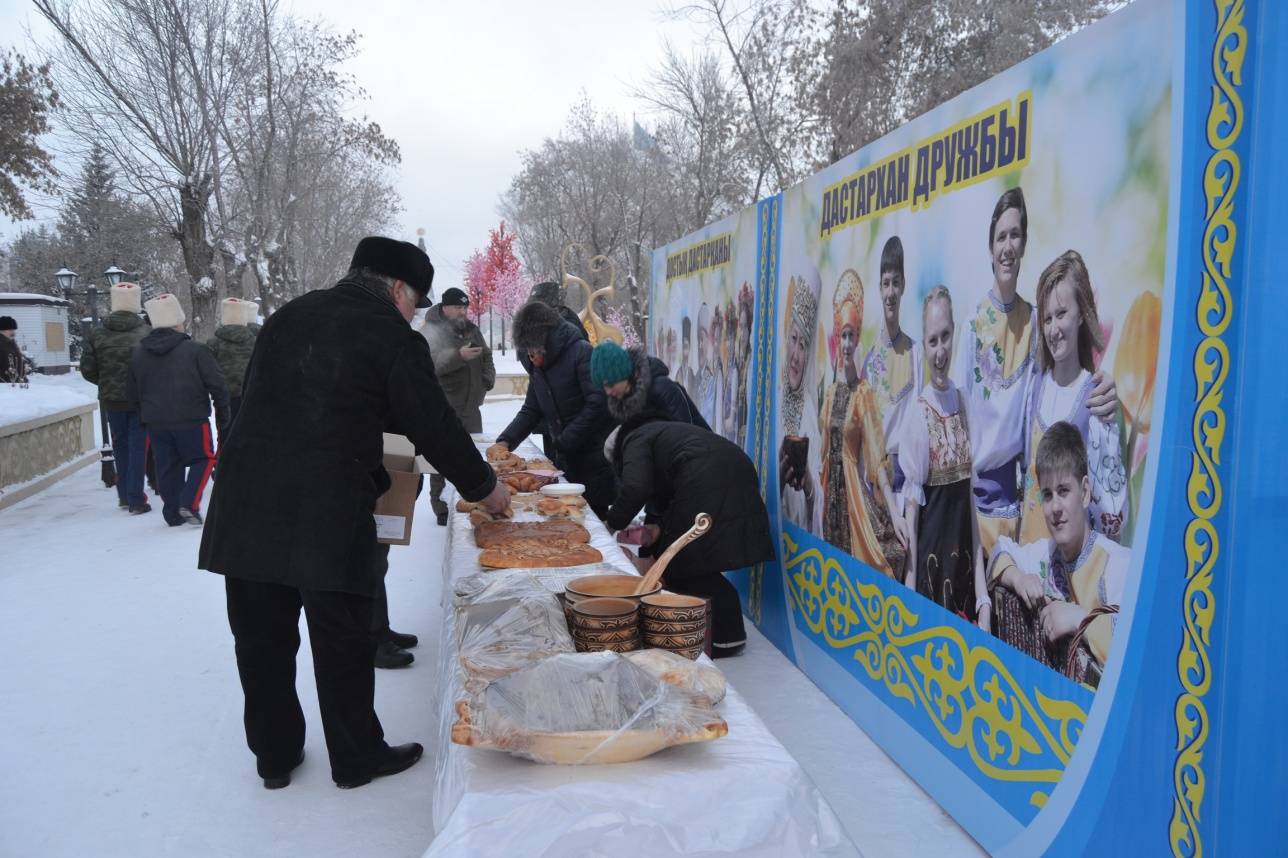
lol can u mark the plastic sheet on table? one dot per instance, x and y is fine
(528, 631)
(697, 678)
(584, 709)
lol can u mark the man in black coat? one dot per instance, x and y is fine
(550, 293)
(561, 395)
(171, 383)
(13, 363)
(291, 520)
(682, 470)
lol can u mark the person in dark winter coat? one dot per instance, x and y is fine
(465, 370)
(13, 363)
(635, 383)
(232, 344)
(291, 520)
(682, 470)
(560, 393)
(105, 361)
(171, 383)
(550, 293)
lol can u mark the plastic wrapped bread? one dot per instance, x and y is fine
(531, 629)
(582, 709)
(704, 681)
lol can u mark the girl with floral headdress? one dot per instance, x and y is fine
(798, 451)
(857, 498)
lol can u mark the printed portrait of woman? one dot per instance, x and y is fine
(997, 368)
(742, 353)
(857, 497)
(798, 452)
(729, 383)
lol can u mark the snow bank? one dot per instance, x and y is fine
(42, 398)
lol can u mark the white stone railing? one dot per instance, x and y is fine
(38, 452)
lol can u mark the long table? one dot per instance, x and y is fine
(743, 794)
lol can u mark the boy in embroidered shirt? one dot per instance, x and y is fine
(893, 367)
(1075, 578)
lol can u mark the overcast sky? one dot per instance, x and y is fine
(463, 86)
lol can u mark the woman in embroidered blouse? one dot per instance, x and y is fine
(857, 498)
(1071, 338)
(997, 369)
(946, 560)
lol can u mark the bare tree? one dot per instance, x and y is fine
(152, 100)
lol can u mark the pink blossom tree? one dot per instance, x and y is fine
(510, 290)
(478, 285)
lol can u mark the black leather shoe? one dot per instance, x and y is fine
(140, 508)
(283, 780)
(389, 655)
(727, 651)
(401, 640)
(442, 519)
(397, 759)
(190, 516)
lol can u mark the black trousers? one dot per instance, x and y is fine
(265, 621)
(380, 599)
(727, 630)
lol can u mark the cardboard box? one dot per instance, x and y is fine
(395, 508)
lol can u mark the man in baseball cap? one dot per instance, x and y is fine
(291, 522)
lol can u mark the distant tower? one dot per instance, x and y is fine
(420, 242)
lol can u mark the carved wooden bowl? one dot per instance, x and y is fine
(617, 586)
(605, 614)
(673, 608)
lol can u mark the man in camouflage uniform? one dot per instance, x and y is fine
(105, 361)
(232, 344)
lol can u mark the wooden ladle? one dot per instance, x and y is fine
(701, 525)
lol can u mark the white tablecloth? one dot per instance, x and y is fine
(740, 795)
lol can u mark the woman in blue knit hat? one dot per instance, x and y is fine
(636, 383)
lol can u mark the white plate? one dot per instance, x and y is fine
(563, 490)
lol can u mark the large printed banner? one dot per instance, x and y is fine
(972, 363)
(703, 318)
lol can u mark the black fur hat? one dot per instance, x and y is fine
(549, 293)
(400, 260)
(533, 323)
(8, 323)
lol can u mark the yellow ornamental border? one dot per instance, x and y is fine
(961, 687)
(1211, 366)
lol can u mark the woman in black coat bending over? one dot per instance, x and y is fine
(557, 359)
(682, 470)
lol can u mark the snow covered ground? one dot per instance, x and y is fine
(121, 708)
(46, 394)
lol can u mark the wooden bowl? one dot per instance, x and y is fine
(628, 646)
(676, 642)
(618, 586)
(653, 627)
(606, 636)
(674, 607)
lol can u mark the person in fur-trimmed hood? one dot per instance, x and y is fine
(635, 383)
(561, 395)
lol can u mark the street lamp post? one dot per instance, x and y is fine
(66, 280)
